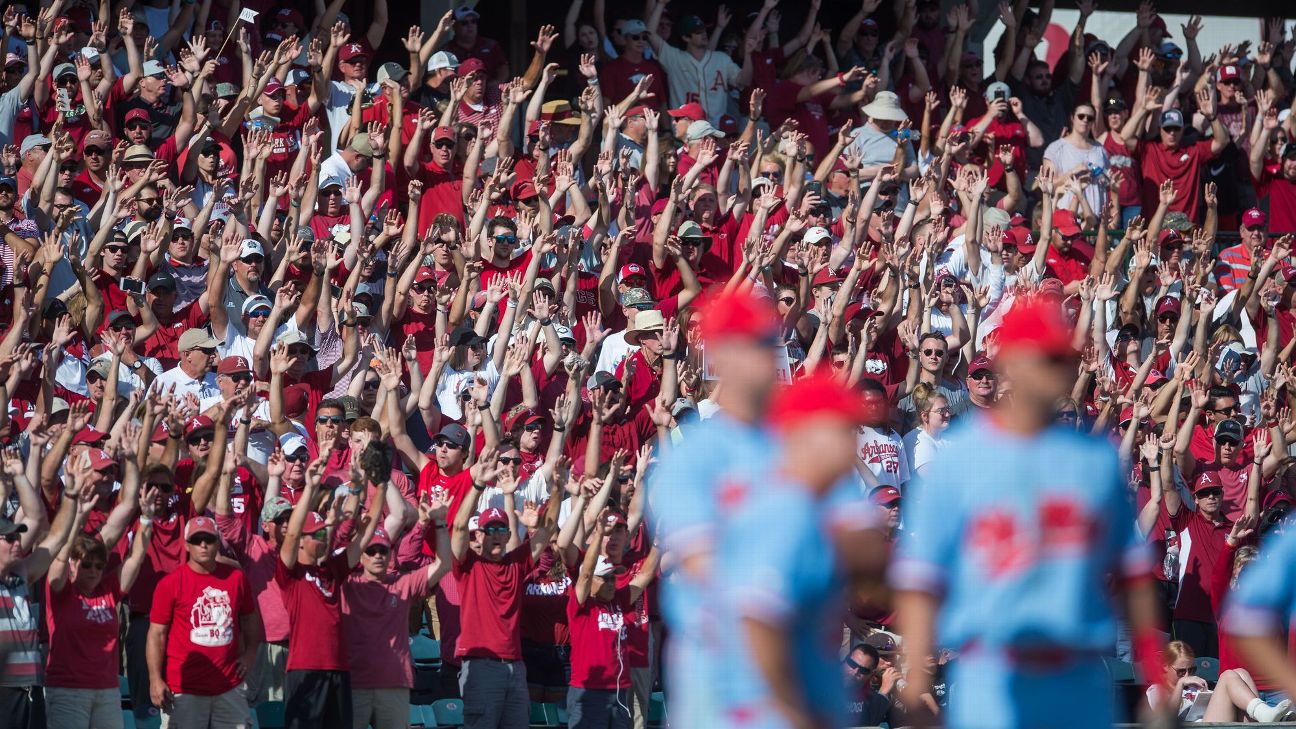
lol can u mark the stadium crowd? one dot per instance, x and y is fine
(821, 378)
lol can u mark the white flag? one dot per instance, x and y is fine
(248, 15)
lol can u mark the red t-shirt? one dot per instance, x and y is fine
(166, 552)
(421, 326)
(811, 115)
(312, 595)
(1069, 266)
(202, 612)
(442, 193)
(597, 630)
(1120, 158)
(1183, 165)
(455, 488)
(376, 616)
(1281, 194)
(83, 633)
(1201, 543)
(491, 595)
(619, 77)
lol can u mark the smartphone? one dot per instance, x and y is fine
(1001, 95)
(64, 100)
(132, 286)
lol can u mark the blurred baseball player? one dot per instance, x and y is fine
(1008, 549)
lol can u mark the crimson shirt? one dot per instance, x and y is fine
(312, 594)
(1202, 547)
(1281, 194)
(491, 595)
(202, 611)
(1183, 165)
(83, 633)
(596, 629)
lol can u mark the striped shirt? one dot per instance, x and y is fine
(20, 656)
(1233, 267)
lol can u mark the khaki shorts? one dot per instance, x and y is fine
(384, 708)
(69, 708)
(225, 711)
(265, 682)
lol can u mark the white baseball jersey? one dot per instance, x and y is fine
(706, 81)
(883, 453)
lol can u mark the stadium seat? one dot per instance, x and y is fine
(270, 715)
(1120, 671)
(125, 693)
(1208, 668)
(416, 718)
(129, 720)
(425, 650)
(656, 709)
(544, 715)
(447, 712)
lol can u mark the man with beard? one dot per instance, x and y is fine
(236, 279)
(864, 706)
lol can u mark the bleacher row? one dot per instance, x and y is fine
(425, 651)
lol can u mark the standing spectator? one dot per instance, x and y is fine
(1235, 261)
(618, 77)
(194, 374)
(1168, 157)
(1076, 155)
(696, 73)
(922, 444)
(1275, 183)
(317, 686)
(491, 583)
(881, 453)
(203, 636)
(468, 43)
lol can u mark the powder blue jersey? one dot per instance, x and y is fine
(786, 577)
(1020, 535)
(1266, 592)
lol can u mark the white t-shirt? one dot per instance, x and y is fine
(706, 81)
(184, 384)
(452, 381)
(337, 106)
(921, 448)
(883, 453)
(615, 349)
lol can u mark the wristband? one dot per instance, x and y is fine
(440, 524)
(592, 81)
(245, 421)
(546, 322)
(393, 274)
(478, 487)
(173, 435)
(145, 521)
(1150, 469)
(556, 429)
(841, 78)
(676, 356)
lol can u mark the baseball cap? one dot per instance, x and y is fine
(980, 364)
(153, 68)
(255, 302)
(275, 507)
(293, 337)
(351, 51)
(465, 12)
(392, 71)
(700, 130)
(1207, 480)
(251, 246)
(197, 423)
(1035, 325)
(63, 69)
(1066, 224)
(296, 77)
(682, 405)
(13, 59)
(425, 273)
(604, 568)
(883, 642)
(692, 111)
(91, 434)
(1229, 430)
(441, 133)
(469, 66)
(815, 397)
(350, 407)
(455, 434)
(1052, 287)
(1167, 305)
(100, 367)
(884, 495)
(637, 298)
(331, 181)
(443, 60)
(200, 525)
(290, 443)
(361, 146)
(602, 378)
(565, 333)
(491, 517)
(996, 88)
(1254, 217)
(121, 315)
(225, 90)
(523, 190)
(100, 460)
(162, 280)
(634, 26)
(381, 538)
(816, 234)
(314, 523)
(289, 15)
(465, 336)
(32, 141)
(233, 366)
(273, 87)
(196, 339)
(1172, 118)
(1231, 72)
(628, 270)
(1167, 49)
(827, 276)
(738, 316)
(8, 527)
(689, 25)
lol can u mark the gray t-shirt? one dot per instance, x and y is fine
(1065, 157)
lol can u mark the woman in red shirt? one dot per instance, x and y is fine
(82, 593)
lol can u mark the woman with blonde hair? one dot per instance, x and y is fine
(924, 442)
(1233, 698)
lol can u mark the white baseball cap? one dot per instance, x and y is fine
(250, 246)
(441, 60)
(816, 234)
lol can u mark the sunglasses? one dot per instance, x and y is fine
(253, 259)
(496, 530)
(300, 351)
(95, 151)
(444, 144)
(946, 411)
(1230, 410)
(637, 37)
(241, 377)
(1209, 494)
(209, 152)
(115, 249)
(93, 565)
(122, 327)
(787, 301)
(148, 200)
(182, 235)
(202, 539)
(443, 443)
(297, 458)
(1189, 671)
(425, 288)
(11, 538)
(161, 486)
(982, 375)
(533, 428)
(377, 551)
(332, 419)
(320, 534)
(933, 353)
(331, 192)
(506, 461)
(506, 239)
(1068, 415)
(197, 438)
(258, 313)
(371, 384)
(1085, 117)
(856, 667)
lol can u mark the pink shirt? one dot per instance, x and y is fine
(258, 558)
(375, 622)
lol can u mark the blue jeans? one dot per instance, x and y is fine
(1272, 696)
(598, 708)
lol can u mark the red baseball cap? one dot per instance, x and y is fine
(469, 66)
(90, 434)
(295, 398)
(425, 273)
(200, 525)
(979, 364)
(137, 113)
(523, 417)
(352, 50)
(1020, 238)
(491, 516)
(314, 522)
(737, 316)
(1207, 480)
(380, 538)
(1169, 236)
(1065, 223)
(728, 125)
(816, 396)
(441, 133)
(630, 269)
(1253, 217)
(233, 366)
(100, 460)
(636, 111)
(1230, 72)
(523, 190)
(827, 275)
(288, 15)
(692, 111)
(1052, 287)
(272, 87)
(884, 495)
(1035, 325)
(197, 423)
(1167, 304)
(858, 309)
(616, 519)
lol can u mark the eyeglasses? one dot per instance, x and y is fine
(203, 437)
(982, 375)
(70, 169)
(202, 539)
(11, 538)
(506, 461)
(444, 144)
(1168, 318)
(1228, 410)
(496, 530)
(1189, 671)
(443, 443)
(847, 662)
(297, 457)
(1211, 493)
(161, 485)
(331, 419)
(320, 534)
(946, 411)
(205, 351)
(506, 239)
(182, 235)
(1085, 117)
(933, 353)
(1068, 415)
